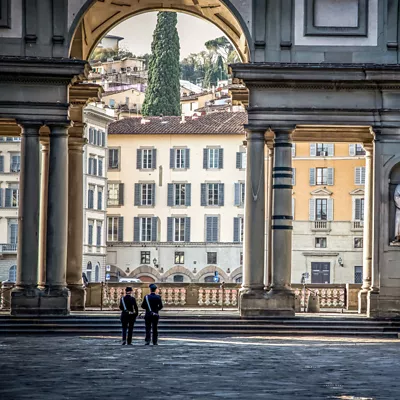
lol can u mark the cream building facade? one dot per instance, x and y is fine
(97, 119)
(158, 217)
(10, 163)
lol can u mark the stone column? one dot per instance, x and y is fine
(281, 296)
(268, 275)
(56, 298)
(252, 295)
(75, 223)
(25, 297)
(44, 185)
(367, 237)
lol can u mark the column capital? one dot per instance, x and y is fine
(76, 143)
(255, 128)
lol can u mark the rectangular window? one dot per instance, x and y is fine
(211, 257)
(90, 233)
(213, 158)
(180, 194)
(179, 257)
(320, 243)
(321, 209)
(360, 150)
(13, 231)
(322, 176)
(147, 158)
(359, 210)
(144, 257)
(113, 158)
(100, 169)
(358, 243)
(15, 163)
(112, 235)
(242, 193)
(180, 158)
(100, 199)
(241, 258)
(241, 229)
(113, 194)
(98, 237)
(91, 198)
(322, 149)
(12, 196)
(359, 176)
(244, 160)
(358, 274)
(212, 228)
(147, 194)
(179, 229)
(212, 194)
(145, 229)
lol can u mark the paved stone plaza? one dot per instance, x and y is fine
(52, 368)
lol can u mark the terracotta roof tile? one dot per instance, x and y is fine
(215, 123)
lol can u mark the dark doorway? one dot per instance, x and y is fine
(320, 272)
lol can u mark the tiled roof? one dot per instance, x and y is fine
(215, 123)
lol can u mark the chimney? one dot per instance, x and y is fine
(183, 120)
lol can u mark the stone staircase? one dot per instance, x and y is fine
(194, 325)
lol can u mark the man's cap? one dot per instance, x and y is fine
(153, 286)
(128, 289)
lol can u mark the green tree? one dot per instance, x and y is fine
(163, 91)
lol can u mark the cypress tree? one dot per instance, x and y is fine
(163, 90)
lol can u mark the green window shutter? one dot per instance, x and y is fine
(170, 200)
(187, 229)
(138, 195)
(236, 228)
(170, 229)
(136, 229)
(188, 196)
(120, 229)
(203, 200)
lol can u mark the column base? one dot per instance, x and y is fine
(383, 306)
(25, 301)
(78, 297)
(257, 303)
(363, 301)
(35, 302)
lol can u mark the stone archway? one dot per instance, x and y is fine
(236, 273)
(210, 270)
(146, 270)
(179, 270)
(94, 19)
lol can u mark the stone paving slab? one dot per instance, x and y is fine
(55, 368)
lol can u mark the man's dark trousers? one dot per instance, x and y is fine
(151, 324)
(127, 325)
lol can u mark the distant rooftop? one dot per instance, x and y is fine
(227, 123)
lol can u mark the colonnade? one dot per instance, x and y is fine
(266, 289)
(50, 233)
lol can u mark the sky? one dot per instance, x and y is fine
(138, 33)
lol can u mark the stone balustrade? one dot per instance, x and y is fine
(207, 295)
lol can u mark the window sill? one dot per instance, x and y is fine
(179, 169)
(141, 206)
(181, 207)
(212, 206)
(113, 205)
(113, 169)
(213, 169)
(147, 169)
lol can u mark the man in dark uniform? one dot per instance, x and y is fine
(152, 303)
(129, 313)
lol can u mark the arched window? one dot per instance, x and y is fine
(178, 278)
(209, 279)
(238, 279)
(97, 273)
(12, 273)
(89, 271)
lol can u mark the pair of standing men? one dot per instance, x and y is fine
(152, 303)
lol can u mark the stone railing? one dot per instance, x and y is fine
(107, 296)
(207, 295)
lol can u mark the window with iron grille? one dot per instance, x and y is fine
(358, 243)
(320, 243)
(179, 257)
(144, 257)
(211, 257)
(358, 274)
